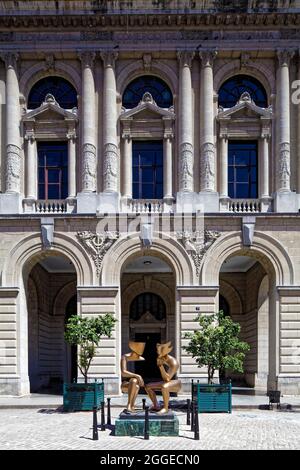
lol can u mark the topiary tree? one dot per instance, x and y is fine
(216, 344)
(86, 333)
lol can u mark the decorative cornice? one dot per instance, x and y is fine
(97, 245)
(197, 243)
(159, 19)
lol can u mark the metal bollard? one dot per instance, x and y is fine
(108, 412)
(192, 389)
(146, 427)
(192, 415)
(188, 413)
(144, 403)
(95, 424)
(102, 417)
(196, 423)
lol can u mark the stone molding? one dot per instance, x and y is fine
(197, 243)
(97, 245)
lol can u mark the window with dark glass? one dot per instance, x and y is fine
(147, 170)
(231, 91)
(52, 170)
(148, 302)
(63, 91)
(242, 169)
(159, 90)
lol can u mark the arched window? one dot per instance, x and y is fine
(159, 90)
(64, 93)
(231, 91)
(148, 302)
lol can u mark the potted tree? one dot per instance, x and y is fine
(85, 333)
(217, 346)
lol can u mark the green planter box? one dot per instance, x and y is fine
(213, 398)
(83, 397)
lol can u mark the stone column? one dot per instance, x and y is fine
(127, 166)
(186, 146)
(285, 200)
(264, 186)
(167, 171)
(13, 151)
(224, 167)
(207, 161)
(284, 168)
(89, 159)
(31, 168)
(71, 136)
(110, 151)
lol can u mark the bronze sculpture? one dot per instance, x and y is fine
(167, 385)
(135, 381)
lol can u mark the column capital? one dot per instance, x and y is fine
(71, 136)
(207, 57)
(185, 58)
(284, 56)
(10, 58)
(30, 137)
(109, 58)
(87, 58)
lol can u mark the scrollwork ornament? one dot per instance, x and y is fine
(111, 165)
(89, 168)
(197, 244)
(97, 245)
(284, 166)
(13, 168)
(208, 166)
(186, 166)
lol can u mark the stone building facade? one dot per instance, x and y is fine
(150, 167)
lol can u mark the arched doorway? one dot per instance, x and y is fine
(244, 295)
(50, 289)
(148, 309)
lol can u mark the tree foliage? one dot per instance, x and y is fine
(86, 333)
(216, 344)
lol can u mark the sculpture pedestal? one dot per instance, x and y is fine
(132, 424)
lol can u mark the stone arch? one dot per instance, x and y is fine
(62, 298)
(38, 71)
(168, 249)
(136, 69)
(232, 296)
(29, 250)
(272, 255)
(255, 69)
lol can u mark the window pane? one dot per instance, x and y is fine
(242, 172)
(148, 175)
(53, 170)
(62, 90)
(53, 176)
(41, 191)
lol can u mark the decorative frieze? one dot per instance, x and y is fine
(97, 245)
(89, 168)
(197, 244)
(111, 164)
(13, 168)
